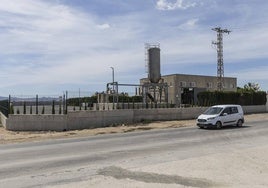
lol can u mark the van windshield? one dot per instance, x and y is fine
(213, 111)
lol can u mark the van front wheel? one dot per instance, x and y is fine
(218, 125)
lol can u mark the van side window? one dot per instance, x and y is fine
(227, 110)
(234, 110)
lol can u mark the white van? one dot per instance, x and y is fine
(220, 115)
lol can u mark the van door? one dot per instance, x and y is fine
(228, 117)
(231, 117)
(234, 115)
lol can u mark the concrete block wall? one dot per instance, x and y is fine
(166, 114)
(267, 103)
(93, 119)
(36, 122)
(254, 109)
(96, 119)
(3, 119)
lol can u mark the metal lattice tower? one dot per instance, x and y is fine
(220, 67)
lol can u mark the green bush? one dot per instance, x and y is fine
(244, 98)
(77, 101)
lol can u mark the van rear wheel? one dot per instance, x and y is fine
(218, 125)
(239, 123)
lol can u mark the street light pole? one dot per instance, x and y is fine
(113, 84)
(112, 73)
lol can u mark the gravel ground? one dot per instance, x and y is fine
(17, 137)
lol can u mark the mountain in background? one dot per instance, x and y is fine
(14, 99)
(3, 98)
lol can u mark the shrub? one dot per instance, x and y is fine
(245, 98)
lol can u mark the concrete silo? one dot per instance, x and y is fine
(154, 74)
(154, 89)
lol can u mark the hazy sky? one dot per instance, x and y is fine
(49, 46)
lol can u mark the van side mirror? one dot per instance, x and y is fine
(224, 114)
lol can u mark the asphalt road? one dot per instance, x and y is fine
(64, 161)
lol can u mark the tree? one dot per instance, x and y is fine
(252, 87)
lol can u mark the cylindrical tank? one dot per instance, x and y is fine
(154, 64)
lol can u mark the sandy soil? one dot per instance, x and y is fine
(238, 169)
(17, 137)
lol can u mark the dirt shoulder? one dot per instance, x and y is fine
(17, 137)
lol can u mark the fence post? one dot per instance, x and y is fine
(43, 109)
(9, 105)
(63, 103)
(36, 105)
(66, 102)
(53, 107)
(133, 104)
(60, 107)
(24, 107)
(79, 101)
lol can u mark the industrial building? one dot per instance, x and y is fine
(183, 88)
(177, 88)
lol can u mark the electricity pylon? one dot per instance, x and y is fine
(220, 67)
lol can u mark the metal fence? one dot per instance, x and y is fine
(80, 100)
(38, 104)
(70, 101)
(4, 104)
(48, 104)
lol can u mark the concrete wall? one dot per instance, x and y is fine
(95, 119)
(92, 119)
(254, 109)
(36, 122)
(3, 119)
(267, 102)
(166, 114)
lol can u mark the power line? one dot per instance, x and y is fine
(220, 66)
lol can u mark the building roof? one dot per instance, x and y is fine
(193, 75)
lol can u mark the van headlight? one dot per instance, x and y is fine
(211, 118)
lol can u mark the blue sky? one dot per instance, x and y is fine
(49, 46)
